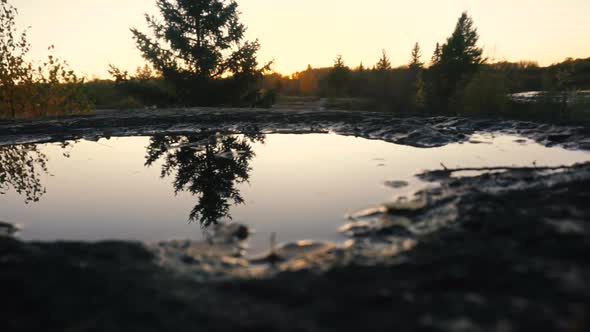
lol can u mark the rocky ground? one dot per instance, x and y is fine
(504, 250)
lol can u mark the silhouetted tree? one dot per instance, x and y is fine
(460, 58)
(382, 81)
(198, 42)
(460, 53)
(118, 75)
(144, 73)
(141, 89)
(208, 166)
(415, 61)
(339, 62)
(383, 64)
(419, 92)
(436, 56)
(337, 81)
(415, 85)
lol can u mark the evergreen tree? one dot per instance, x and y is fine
(454, 64)
(339, 62)
(460, 54)
(338, 79)
(416, 85)
(383, 64)
(415, 62)
(197, 42)
(382, 82)
(436, 56)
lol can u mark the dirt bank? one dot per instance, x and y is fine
(500, 251)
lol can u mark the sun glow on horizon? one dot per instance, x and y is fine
(92, 34)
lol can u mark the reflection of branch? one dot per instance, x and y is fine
(20, 168)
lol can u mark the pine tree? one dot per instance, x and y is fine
(338, 78)
(415, 62)
(416, 67)
(436, 56)
(461, 53)
(455, 63)
(199, 41)
(339, 62)
(383, 64)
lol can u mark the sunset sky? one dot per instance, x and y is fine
(90, 34)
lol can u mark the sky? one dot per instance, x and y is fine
(90, 34)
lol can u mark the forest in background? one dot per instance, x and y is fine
(197, 59)
(562, 89)
(456, 80)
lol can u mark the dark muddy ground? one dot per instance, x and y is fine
(407, 130)
(501, 251)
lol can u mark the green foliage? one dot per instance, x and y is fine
(454, 63)
(50, 88)
(57, 90)
(461, 52)
(21, 168)
(486, 94)
(580, 108)
(418, 93)
(199, 42)
(337, 81)
(306, 83)
(416, 85)
(458, 81)
(14, 70)
(144, 88)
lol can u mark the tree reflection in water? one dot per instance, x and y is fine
(21, 167)
(208, 166)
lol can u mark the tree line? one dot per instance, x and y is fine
(456, 79)
(196, 55)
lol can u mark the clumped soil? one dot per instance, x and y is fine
(513, 258)
(418, 131)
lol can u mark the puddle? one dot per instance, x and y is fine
(300, 187)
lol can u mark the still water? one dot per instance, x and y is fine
(175, 187)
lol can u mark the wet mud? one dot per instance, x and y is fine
(407, 130)
(503, 249)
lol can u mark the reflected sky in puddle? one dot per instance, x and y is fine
(299, 186)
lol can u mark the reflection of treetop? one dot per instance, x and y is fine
(208, 166)
(20, 168)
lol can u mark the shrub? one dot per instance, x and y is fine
(486, 94)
